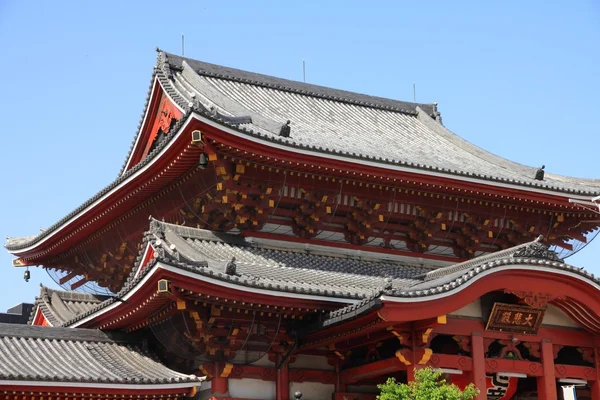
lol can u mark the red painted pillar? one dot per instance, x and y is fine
(546, 384)
(340, 384)
(283, 382)
(478, 354)
(219, 384)
(595, 385)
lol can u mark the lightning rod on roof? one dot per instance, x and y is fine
(414, 92)
(182, 46)
(303, 71)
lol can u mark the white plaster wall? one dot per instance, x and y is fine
(264, 362)
(312, 390)
(204, 392)
(311, 362)
(470, 310)
(556, 317)
(365, 389)
(252, 389)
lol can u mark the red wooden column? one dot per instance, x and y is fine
(283, 380)
(478, 355)
(340, 382)
(219, 383)
(595, 385)
(546, 384)
(410, 369)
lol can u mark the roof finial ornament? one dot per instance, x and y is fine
(540, 239)
(388, 283)
(285, 129)
(231, 268)
(539, 175)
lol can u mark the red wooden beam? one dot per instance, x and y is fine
(560, 336)
(270, 373)
(529, 368)
(352, 329)
(575, 371)
(451, 361)
(371, 370)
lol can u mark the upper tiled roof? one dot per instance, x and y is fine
(353, 125)
(330, 121)
(49, 354)
(59, 306)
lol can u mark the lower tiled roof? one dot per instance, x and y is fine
(59, 306)
(278, 269)
(50, 354)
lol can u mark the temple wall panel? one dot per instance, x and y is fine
(312, 390)
(252, 389)
(366, 389)
(311, 362)
(470, 310)
(556, 317)
(204, 393)
(264, 362)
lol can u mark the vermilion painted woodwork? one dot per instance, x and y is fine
(562, 336)
(374, 369)
(282, 385)
(270, 373)
(40, 319)
(171, 156)
(546, 383)
(595, 385)
(576, 290)
(479, 366)
(167, 112)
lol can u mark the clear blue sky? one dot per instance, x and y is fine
(519, 78)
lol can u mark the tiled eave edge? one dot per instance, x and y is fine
(99, 385)
(203, 273)
(163, 74)
(99, 196)
(379, 162)
(452, 286)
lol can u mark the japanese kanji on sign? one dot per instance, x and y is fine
(515, 319)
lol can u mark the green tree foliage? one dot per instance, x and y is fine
(428, 385)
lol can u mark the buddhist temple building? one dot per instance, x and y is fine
(267, 238)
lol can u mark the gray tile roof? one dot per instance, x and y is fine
(446, 279)
(49, 354)
(280, 269)
(336, 122)
(326, 120)
(59, 306)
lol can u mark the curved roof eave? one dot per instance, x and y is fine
(284, 144)
(447, 286)
(19, 246)
(185, 82)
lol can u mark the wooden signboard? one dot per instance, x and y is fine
(514, 318)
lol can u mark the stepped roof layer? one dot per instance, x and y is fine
(85, 356)
(361, 281)
(328, 273)
(341, 123)
(59, 306)
(326, 122)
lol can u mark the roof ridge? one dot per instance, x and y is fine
(308, 89)
(532, 249)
